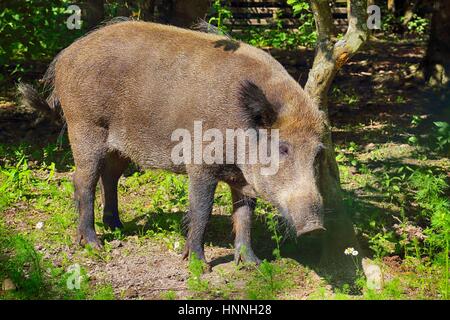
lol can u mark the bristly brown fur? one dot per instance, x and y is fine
(52, 106)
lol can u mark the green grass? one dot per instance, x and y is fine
(405, 212)
(195, 282)
(267, 281)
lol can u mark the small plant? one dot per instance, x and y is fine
(393, 290)
(443, 135)
(348, 154)
(219, 14)
(105, 292)
(416, 120)
(348, 97)
(417, 24)
(382, 245)
(169, 295)
(278, 36)
(272, 224)
(196, 268)
(172, 193)
(24, 265)
(400, 100)
(267, 281)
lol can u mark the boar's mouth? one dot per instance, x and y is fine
(312, 229)
(310, 224)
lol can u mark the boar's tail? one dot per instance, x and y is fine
(31, 98)
(51, 106)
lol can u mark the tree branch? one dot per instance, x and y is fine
(330, 58)
(357, 33)
(323, 19)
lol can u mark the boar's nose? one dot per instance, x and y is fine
(311, 229)
(310, 223)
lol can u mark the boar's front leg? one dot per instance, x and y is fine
(202, 186)
(243, 208)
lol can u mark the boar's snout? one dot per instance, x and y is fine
(308, 220)
(313, 229)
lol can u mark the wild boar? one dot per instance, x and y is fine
(124, 89)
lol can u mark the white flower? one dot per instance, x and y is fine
(349, 251)
(355, 253)
(176, 245)
(39, 225)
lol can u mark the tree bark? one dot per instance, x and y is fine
(329, 58)
(188, 12)
(94, 13)
(148, 10)
(122, 8)
(391, 5)
(436, 64)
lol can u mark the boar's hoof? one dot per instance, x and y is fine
(90, 238)
(112, 222)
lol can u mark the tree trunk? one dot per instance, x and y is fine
(188, 12)
(122, 8)
(391, 5)
(94, 13)
(407, 10)
(436, 64)
(330, 57)
(165, 9)
(147, 10)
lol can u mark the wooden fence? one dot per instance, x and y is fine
(264, 13)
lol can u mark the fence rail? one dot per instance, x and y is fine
(266, 13)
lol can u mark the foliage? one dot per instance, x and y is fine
(32, 30)
(306, 31)
(24, 265)
(172, 193)
(443, 135)
(267, 282)
(272, 224)
(219, 12)
(37, 278)
(278, 36)
(299, 6)
(420, 230)
(195, 282)
(417, 25)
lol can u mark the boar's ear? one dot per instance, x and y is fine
(256, 108)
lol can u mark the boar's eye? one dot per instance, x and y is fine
(285, 149)
(320, 153)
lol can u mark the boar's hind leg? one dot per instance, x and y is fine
(89, 156)
(111, 172)
(201, 197)
(242, 215)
